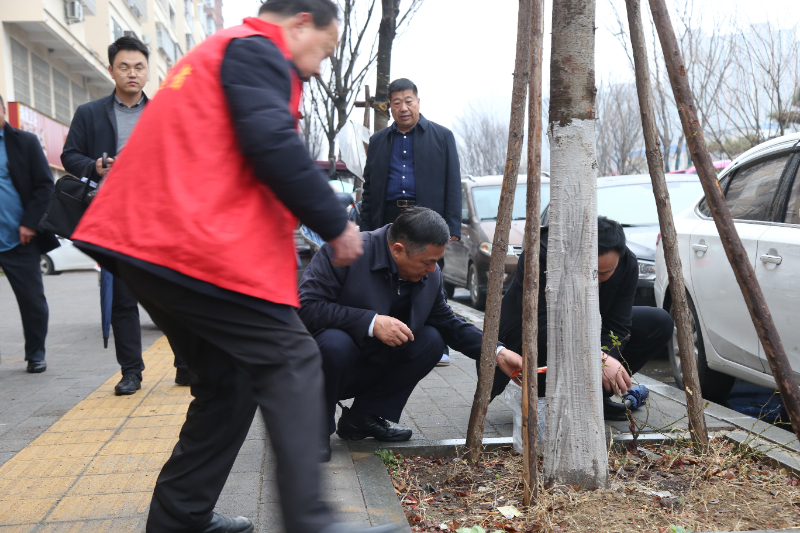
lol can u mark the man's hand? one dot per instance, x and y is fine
(347, 247)
(26, 235)
(99, 166)
(391, 331)
(615, 377)
(453, 238)
(510, 363)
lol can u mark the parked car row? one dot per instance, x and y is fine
(762, 191)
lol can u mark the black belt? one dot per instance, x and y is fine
(404, 202)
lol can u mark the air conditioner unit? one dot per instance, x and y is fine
(74, 10)
(128, 33)
(146, 38)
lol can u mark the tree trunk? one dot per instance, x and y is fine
(530, 291)
(575, 451)
(386, 34)
(669, 238)
(494, 294)
(737, 257)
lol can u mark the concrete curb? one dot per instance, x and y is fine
(380, 499)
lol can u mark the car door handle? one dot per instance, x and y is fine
(700, 247)
(771, 259)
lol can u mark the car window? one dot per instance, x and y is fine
(749, 194)
(486, 201)
(635, 204)
(464, 204)
(793, 208)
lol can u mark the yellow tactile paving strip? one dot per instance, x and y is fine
(94, 469)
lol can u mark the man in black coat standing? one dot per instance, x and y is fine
(382, 323)
(26, 186)
(103, 126)
(413, 162)
(630, 335)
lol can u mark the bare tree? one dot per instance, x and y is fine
(574, 396)
(619, 131)
(310, 131)
(482, 142)
(334, 93)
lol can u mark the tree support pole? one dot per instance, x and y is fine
(669, 237)
(737, 257)
(494, 294)
(530, 291)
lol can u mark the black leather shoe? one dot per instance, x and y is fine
(183, 377)
(36, 367)
(129, 384)
(613, 411)
(325, 453)
(357, 426)
(221, 524)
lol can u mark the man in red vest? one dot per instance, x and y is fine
(197, 217)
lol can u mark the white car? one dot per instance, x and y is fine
(762, 191)
(65, 257)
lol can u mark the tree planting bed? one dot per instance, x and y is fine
(652, 488)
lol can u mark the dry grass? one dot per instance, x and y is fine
(727, 488)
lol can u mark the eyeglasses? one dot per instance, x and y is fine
(138, 70)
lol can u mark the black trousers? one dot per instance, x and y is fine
(128, 331)
(21, 266)
(651, 329)
(243, 359)
(379, 378)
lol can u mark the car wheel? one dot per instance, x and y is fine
(477, 297)
(46, 265)
(449, 289)
(714, 385)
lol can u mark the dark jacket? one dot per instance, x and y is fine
(31, 176)
(92, 132)
(436, 169)
(616, 301)
(348, 298)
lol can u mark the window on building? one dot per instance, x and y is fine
(172, 18)
(21, 68)
(210, 28)
(209, 3)
(116, 30)
(189, 41)
(41, 85)
(61, 93)
(78, 96)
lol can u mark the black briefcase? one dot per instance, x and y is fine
(69, 202)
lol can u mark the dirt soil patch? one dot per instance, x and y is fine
(654, 488)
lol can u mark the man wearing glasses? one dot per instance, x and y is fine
(104, 126)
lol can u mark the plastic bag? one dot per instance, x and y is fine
(513, 397)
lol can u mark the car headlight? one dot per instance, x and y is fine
(647, 270)
(486, 248)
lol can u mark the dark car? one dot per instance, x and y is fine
(630, 201)
(466, 262)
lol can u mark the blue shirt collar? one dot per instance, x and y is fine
(422, 123)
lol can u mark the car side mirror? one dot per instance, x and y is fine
(466, 219)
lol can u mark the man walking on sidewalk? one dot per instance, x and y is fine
(413, 162)
(198, 218)
(26, 186)
(104, 126)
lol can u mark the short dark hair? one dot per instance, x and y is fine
(402, 84)
(128, 42)
(610, 236)
(417, 227)
(322, 11)
(2, 102)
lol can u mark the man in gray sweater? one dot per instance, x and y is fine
(104, 126)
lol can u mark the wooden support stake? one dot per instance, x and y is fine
(737, 257)
(669, 237)
(530, 290)
(494, 294)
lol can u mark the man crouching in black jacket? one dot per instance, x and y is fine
(639, 331)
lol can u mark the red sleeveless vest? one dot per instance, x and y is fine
(181, 195)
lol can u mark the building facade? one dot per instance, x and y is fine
(54, 55)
